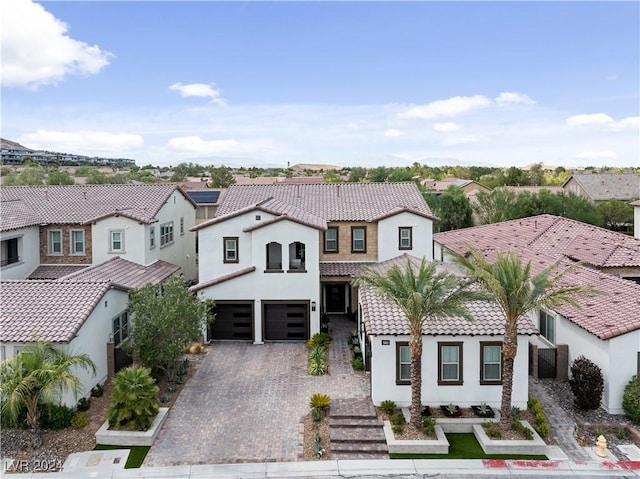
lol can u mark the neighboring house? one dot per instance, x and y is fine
(607, 328)
(533, 189)
(277, 256)
(636, 218)
(604, 186)
(605, 250)
(84, 312)
(469, 187)
(207, 201)
(461, 360)
(87, 225)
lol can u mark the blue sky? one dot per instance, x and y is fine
(346, 83)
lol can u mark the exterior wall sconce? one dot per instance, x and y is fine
(386, 342)
(313, 305)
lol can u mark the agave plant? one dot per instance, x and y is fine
(134, 400)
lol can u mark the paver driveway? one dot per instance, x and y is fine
(246, 402)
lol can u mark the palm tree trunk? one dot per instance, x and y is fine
(415, 349)
(509, 350)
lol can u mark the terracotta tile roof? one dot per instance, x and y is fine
(605, 186)
(15, 214)
(222, 279)
(49, 310)
(346, 268)
(124, 273)
(610, 314)
(275, 207)
(551, 235)
(331, 202)
(55, 271)
(382, 316)
(84, 204)
(636, 203)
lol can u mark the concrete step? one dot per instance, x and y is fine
(347, 447)
(356, 435)
(345, 456)
(352, 408)
(354, 422)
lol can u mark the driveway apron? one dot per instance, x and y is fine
(246, 402)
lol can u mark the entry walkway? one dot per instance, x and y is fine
(562, 424)
(246, 402)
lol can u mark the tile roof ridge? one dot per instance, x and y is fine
(556, 220)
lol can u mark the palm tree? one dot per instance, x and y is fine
(513, 286)
(423, 294)
(36, 376)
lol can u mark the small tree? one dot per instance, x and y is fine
(165, 319)
(631, 399)
(134, 401)
(36, 376)
(586, 384)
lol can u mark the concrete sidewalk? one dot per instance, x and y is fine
(398, 468)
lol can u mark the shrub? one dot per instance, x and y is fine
(316, 353)
(388, 407)
(398, 419)
(586, 384)
(543, 429)
(6, 422)
(320, 401)
(83, 404)
(316, 414)
(631, 399)
(429, 426)
(133, 399)
(79, 420)
(317, 367)
(493, 432)
(397, 428)
(97, 391)
(517, 426)
(357, 363)
(319, 339)
(56, 417)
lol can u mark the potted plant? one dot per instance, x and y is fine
(451, 410)
(483, 410)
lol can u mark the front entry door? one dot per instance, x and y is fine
(335, 298)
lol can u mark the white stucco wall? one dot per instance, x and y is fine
(134, 239)
(636, 221)
(91, 339)
(471, 392)
(28, 251)
(616, 357)
(259, 285)
(422, 235)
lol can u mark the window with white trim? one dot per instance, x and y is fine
(405, 237)
(230, 249)
(54, 241)
(331, 240)
(548, 326)
(358, 239)
(166, 233)
(116, 241)
(77, 242)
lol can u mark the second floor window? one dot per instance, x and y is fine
(10, 251)
(274, 256)
(166, 234)
(405, 237)
(77, 242)
(331, 240)
(55, 242)
(152, 237)
(358, 239)
(116, 241)
(230, 250)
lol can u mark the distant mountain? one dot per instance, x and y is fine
(12, 145)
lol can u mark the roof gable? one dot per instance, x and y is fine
(605, 186)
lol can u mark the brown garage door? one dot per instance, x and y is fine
(286, 321)
(233, 321)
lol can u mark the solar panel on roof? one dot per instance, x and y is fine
(204, 196)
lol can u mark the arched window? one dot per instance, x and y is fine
(296, 256)
(274, 256)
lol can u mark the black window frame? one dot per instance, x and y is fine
(225, 250)
(490, 382)
(399, 380)
(337, 240)
(450, 382)
(364, 239)
(410, 230)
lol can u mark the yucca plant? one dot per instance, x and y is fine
(317, 367)
(133, 399)
(316, 353)
(320, 401)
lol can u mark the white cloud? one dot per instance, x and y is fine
(454, 106)
(512, 98)
(597, 155)
(612, 77)
(36, 49)
(632, 122)
(201, 90)
(81, 141)
(460, 140)
(446, 127)
(196, 145)
(393, 133)
(589, 119)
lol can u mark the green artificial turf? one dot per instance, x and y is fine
(465, 446)
(136, 454)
